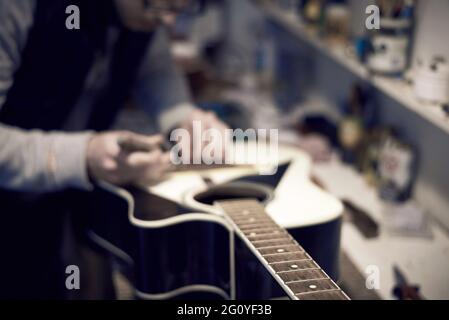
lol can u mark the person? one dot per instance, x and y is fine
(49, 73)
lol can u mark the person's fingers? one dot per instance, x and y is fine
(143, 159)
(103, 145)
(154, 172)
(164, 165)
(156, 161)
(143, 167)
(150, 140)
(156, 140)
(130, 142)
(165, 159)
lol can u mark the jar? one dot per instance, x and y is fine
(390, 46)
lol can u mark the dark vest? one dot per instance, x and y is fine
(54, 66)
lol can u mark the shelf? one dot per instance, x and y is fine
(396, 89)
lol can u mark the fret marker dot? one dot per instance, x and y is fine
(252, 220)
(245, 212)
(252, 234)
(280, 250)
(294, 266)
(312, 286)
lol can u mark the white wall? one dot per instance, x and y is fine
(432, 31)
(432, 38)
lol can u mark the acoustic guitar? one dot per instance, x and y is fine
(224, 233)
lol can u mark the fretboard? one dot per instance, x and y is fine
(297, 273)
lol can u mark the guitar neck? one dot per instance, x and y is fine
(297, 273)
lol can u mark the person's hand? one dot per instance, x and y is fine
(135, 16)
(205, 120)
(124, 158)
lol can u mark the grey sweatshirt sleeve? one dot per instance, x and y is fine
(33, 161)
(16, 18)
(42, 162)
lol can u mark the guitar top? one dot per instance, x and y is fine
(294, 193)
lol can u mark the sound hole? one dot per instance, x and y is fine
(235, 191)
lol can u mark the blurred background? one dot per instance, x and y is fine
(362, 89)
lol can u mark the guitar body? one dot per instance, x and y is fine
(165, 252)
(173, 243)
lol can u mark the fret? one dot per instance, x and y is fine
(286, 257)
(254, 232)
(312, 285)
(268, 236)
(238, 212)
(273, 243)
(280, 249)
(256, 226)
(237, 217)
(300, 276)
(323, 295)
(244, 222)
(235, 207)
(248, 223)
(254, 237)
(251, 217)
(294, 265)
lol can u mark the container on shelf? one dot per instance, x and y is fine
(389, 54)
(431, 81)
